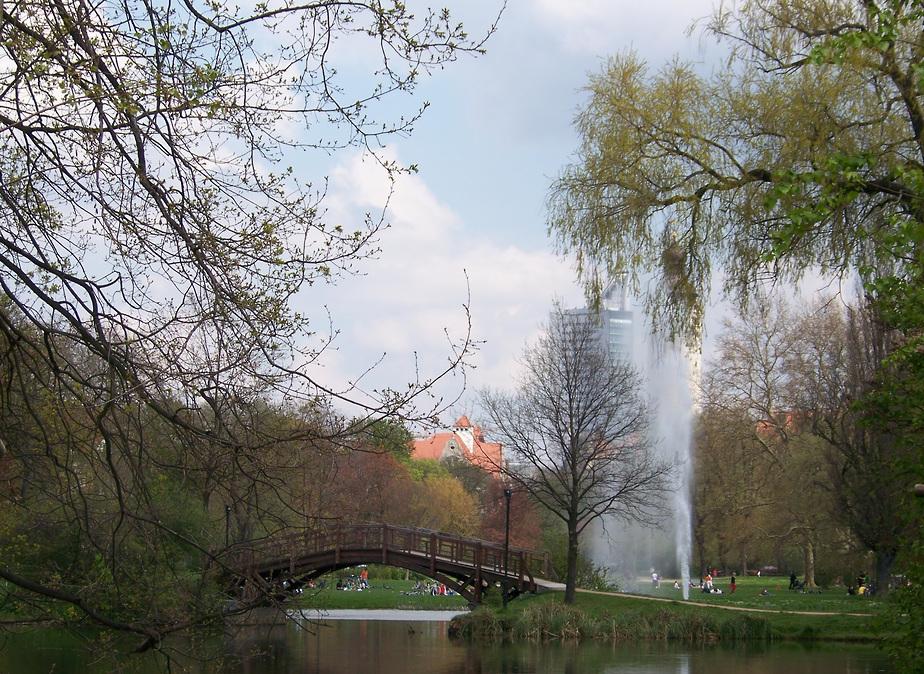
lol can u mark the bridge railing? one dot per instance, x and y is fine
(387, 538)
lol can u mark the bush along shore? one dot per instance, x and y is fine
(619, 619)
(559, 621)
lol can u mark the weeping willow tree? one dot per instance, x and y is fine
(803, 149)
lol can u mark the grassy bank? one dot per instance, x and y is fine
(382, 594)
(620, 618)
(627, 619)
(767, 593)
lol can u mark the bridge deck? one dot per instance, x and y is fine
(469, 565)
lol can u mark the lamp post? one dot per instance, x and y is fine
(227, 524)
(507, 494)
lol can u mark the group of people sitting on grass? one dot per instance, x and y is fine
(353, 582)
(433, 589)
(707, 586)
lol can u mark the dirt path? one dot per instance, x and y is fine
(725, 608)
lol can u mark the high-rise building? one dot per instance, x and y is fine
(613, 320)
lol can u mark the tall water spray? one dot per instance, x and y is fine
(629, 550)
(669, 375)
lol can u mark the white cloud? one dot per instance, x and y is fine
(604, 26)
(415, 290)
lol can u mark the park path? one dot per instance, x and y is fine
(726, 608)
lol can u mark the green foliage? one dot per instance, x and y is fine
(555, 541)
(482, 623)
(789, 157)
(181, 511)
(596, 578)
(422, 469)
(388, 435)
(551, 620)
(474, 478)
(387, 573)
(902, 623)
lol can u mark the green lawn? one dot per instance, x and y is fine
(397, 594)
(783, 625)
(382, 594)
(779, 597)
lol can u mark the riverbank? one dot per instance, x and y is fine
(762, 609)
(412, 645)
(398, 615)
(619, 617)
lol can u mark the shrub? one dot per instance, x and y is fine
(480, 624)
(551, 620)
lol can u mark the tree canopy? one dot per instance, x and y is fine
(153, 234)
(151, 213)
(779, 404)
(804, 149)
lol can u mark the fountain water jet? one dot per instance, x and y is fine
(632, 550)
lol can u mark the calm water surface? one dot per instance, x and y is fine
(406, 645)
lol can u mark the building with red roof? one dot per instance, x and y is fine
(463, 440)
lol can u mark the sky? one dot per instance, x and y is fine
(470, 227)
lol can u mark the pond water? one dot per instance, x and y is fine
(406, 644)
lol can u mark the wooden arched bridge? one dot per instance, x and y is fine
(467, 565)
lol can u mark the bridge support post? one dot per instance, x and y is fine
(521, 564)
(384, 544)
(479, 556)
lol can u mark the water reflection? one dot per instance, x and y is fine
(412, 647)
(367, 647)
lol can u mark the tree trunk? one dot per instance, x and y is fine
(571, 579)
(780, 557)
(808, 556)
(700, 548)
(723, 554)
(884, 561)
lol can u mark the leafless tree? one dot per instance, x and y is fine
(576, 433)
(152, 235)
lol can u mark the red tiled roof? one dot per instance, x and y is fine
(463, 422)
(432, 447)
(486, 455)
